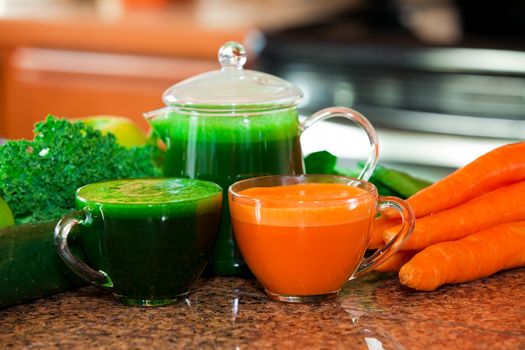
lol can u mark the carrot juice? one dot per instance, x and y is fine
(303, 239)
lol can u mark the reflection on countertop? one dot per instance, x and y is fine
(374, 312)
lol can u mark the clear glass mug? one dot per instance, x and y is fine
(304, 242)
(148, 240)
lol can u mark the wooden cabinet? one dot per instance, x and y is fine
(76, 84)
(80, 65)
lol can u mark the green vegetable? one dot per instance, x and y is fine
(388, 181)
(38, 178)
(383, 189)
(401, 182)
(30, 268)
(324, 162)
(6, 216)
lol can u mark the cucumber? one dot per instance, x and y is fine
(30, 268)
(399, 181)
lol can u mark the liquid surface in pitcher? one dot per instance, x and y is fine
(225, 149)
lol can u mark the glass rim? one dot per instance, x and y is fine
(218, 191)
(345, 180)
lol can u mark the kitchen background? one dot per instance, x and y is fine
(443, 81)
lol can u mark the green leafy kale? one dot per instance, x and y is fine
(38, 178)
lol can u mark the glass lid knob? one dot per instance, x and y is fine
(232, 55)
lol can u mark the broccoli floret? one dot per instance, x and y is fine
(38, 178)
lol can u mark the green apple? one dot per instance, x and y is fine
(6, 216)
(128, 134)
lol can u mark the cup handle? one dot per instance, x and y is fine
(407, 226)
(62, 229)
(360, 120)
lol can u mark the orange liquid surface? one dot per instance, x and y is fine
(305, 248)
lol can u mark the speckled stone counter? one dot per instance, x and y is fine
(375, 312)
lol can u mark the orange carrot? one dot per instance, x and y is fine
(476, 256)
(502, 205)
(396, 261)
(501, 166)
(378, 228)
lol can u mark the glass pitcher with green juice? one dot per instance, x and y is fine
(232, 124)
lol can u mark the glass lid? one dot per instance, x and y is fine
(232, 86)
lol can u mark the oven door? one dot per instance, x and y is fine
(434, 109)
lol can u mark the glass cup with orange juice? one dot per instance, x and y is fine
(304, 236)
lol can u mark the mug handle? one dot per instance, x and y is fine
(62, 229)
(360, 120)
(407, 226)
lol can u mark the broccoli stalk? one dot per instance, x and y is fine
(38, 178)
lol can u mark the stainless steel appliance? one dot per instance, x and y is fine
(436, 106)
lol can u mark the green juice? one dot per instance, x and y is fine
(152, 237)
(225, 149)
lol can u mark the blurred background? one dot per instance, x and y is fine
(443, 81)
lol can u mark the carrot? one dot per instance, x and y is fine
(378, 228)
(501, 166)
(502, 205)
(396, 261)
(476, 256)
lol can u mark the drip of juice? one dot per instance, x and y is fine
(304, 239)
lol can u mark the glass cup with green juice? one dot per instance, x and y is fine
(232, 124)
(149, 239)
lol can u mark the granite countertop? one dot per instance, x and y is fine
(375, 312)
